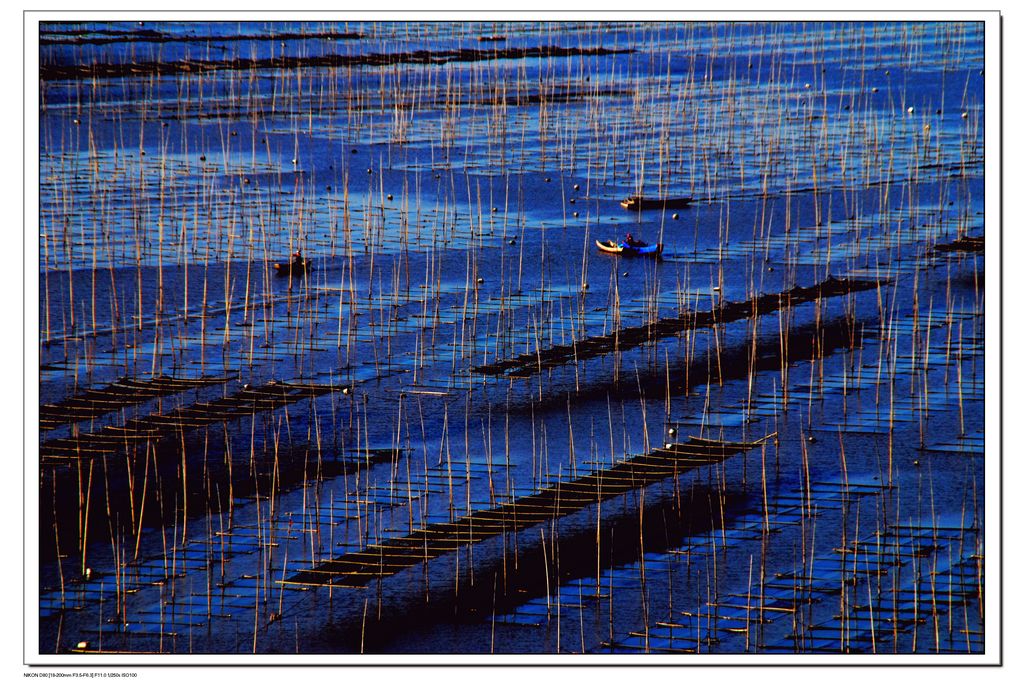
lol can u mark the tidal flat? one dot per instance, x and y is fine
(331, 360)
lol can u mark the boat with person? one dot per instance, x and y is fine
(299, 266)
(629, 247)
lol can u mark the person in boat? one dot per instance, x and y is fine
(297, 259)
(632, 242)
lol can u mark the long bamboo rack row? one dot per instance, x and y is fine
(55, 72)
(633, 336)
(389, 557)
(157, 426)
(96, 402)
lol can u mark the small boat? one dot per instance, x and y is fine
(638, 203)
(295, 268)
(640, 248)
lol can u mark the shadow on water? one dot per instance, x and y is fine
(501, 580)
(734, 362)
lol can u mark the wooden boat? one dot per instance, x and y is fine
(616, 248)
(638, 203)
(295, 268)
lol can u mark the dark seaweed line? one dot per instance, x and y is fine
(96, 402)
(108, 70)
(963, 244)
(155, 427)
(148, 36)
(356, 569)
(626, 338)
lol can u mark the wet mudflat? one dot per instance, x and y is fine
(458, 426)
